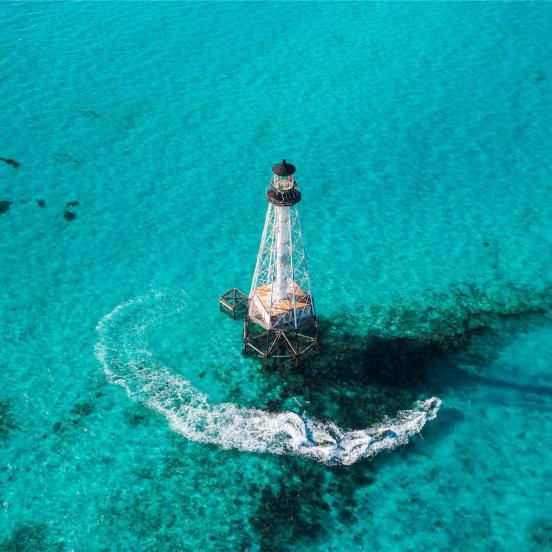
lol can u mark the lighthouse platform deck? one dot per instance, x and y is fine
(268, 312)
(281, 306)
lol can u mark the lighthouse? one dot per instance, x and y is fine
(281, 319)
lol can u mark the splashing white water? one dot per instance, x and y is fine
(126, 361)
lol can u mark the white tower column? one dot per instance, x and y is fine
(283, 253)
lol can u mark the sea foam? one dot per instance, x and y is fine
(127, 361)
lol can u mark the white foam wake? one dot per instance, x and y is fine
(126, 361)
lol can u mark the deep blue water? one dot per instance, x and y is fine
(422, 137)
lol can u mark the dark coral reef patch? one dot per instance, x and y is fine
(30, 537)
(540, 535)
(4, 206)
(136, 415)
(12, 162)
(78, 414)
(8, 422)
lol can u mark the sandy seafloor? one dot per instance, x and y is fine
(422, 136)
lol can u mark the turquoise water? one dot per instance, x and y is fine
(421, 133)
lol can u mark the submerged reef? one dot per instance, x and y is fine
(83, 409)
(283, 516)
(304, 501)
(8, 422)
(70, 215)
(30, 537)
(4, 206)
(15, 164)
(137, 414)
(78, 414)
(157, 506)
(540, 534)
(61, 157)
(448, 316)
(267, 503)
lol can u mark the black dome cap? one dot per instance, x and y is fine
(283, 168)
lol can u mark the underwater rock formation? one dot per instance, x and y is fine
(30, 537)
(15, 164)
(4, 206)
(7, 419)
(136, 415)
(445, 318)
(66, 158)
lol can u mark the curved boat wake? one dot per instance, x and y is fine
(122, 351)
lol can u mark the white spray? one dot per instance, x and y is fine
(126, 361)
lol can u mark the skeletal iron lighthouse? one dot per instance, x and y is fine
(281, 320)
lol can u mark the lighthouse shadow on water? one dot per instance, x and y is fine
(356, 379)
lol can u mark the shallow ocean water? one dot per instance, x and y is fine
(421, 133)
